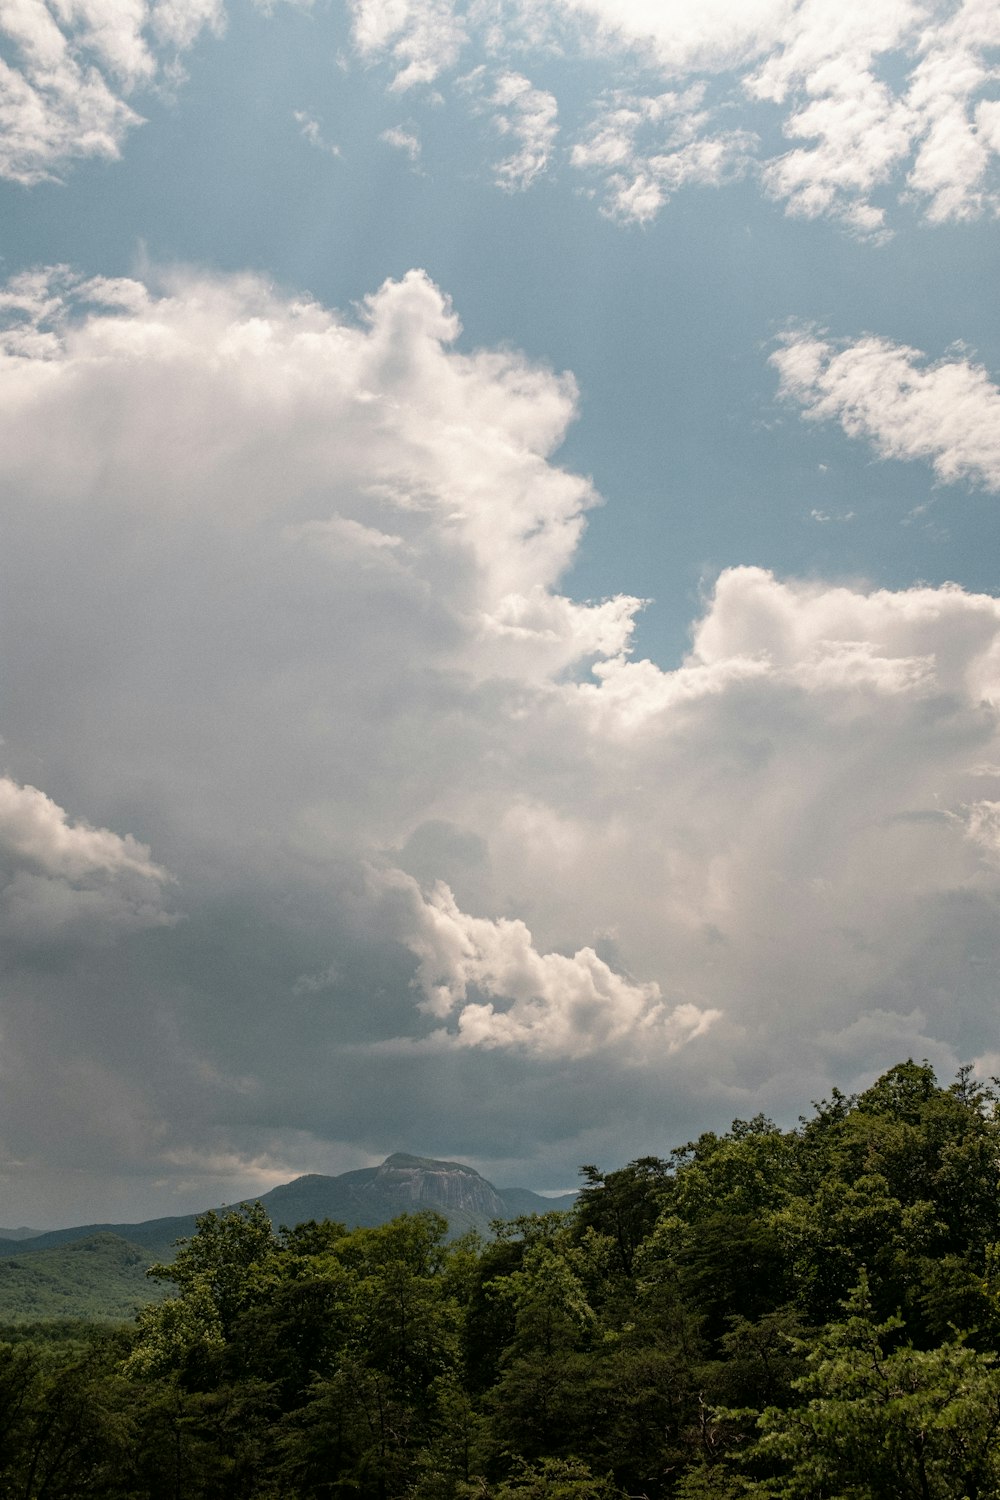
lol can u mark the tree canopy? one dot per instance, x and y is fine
(810, 1313)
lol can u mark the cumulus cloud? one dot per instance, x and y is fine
(503, 993)
(280, 550)
(69, 72)
(424, 38)
(890, 101)
(303, 620)
(33, 828)
(946, 412)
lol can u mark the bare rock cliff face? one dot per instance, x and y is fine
(414, 1182)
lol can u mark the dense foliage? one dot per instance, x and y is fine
(101, 1276)
(809, 1314)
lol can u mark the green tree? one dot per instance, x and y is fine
(882, 1419)
(64, 1424)
(624, 1205)
(231, 1257)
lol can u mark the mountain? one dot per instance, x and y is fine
(155, 1237)
(62, 1271)
(99, 1276)
(402, 1184)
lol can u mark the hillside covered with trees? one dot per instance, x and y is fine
(811, 1313)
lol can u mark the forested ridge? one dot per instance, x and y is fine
(811, 1313)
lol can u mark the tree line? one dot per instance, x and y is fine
(811, 1314)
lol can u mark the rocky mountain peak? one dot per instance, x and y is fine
(419, 1182)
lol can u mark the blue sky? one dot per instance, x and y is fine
(366, 366)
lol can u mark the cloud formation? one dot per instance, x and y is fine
(947, 412)
(402, 140)
(701, 92)
(527, 116)
(548, 1005)
(33, 828)
(645, 148)
(838, 112)
(423, 38)
(451, 869)
(67, 74)
(63, 880)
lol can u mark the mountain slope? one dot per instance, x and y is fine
(99, 1276)
(98, 1270)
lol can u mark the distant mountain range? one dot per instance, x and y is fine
(98, 1270)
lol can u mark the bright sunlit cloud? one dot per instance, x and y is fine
(391, 737)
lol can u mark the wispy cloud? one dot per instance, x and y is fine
(402, 140)
(423, 38)
(312, 132)
(527, 116)
(643, 149)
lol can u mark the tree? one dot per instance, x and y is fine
(885, 1419)
(230, 1257)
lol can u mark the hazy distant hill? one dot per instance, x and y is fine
(154, 1236)
(98, 1270)
(100, 1276)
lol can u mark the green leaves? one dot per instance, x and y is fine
(683, 1336)
(231, 1259)
(882, 1418)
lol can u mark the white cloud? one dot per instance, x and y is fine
(881, 103)
(953, 168)
(887, 102)
(34, 828)
(710, 37)
(859, 134)
(822, 70)
(312, 131)
(528, 116)
(302, 617)
(425, 468)
(402, 140)
(548, 1005)
(946, 412)
(424, 38)
(646, 148)
(71, 69)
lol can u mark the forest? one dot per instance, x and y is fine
(810, 1313)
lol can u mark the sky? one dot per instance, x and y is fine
(498, 583)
